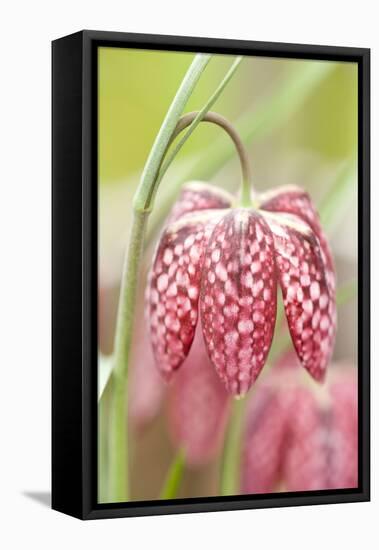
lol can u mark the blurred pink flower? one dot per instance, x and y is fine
(300, 437)
(198, 407)
(147, 389)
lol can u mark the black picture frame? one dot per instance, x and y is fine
(74, 273)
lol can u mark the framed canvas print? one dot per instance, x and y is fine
(211, 278)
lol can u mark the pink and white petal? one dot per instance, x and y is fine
(263, 440)
(238, 298)
(294, 200)
(197, 195)
(308, 303)
(198, 406)
(174, 287)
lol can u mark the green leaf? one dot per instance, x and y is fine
(174, 477)
(105, 367)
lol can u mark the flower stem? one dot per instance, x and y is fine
(215, 118)
(142, 206)
(255, 124)
(198, 118)
(118, 451)
(142, 200)
(118, 439)
(230, 481)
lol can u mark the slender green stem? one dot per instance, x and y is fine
(142, 206)
(118, 451)
(118, 439)
(198, 118)
(230, 482)
(222, 122)
(174, 477)
(146, 188)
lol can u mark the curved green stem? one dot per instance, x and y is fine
(214, 118)
(198, 118)
(271, 113)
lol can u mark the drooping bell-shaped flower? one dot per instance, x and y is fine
(298, 437)
(226, 262)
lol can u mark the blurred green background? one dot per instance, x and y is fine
(298, 120)
(136, 87)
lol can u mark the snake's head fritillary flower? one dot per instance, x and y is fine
(300, 437)
(226, 262)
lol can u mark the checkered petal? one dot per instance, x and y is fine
(195, 196)
(306, 294)
(238, 298)
(294, 200)
(198, 406)
(174, 287)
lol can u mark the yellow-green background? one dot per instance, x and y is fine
(136, 88)
(309, 147)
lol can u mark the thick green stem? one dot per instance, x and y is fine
(230, 481)
(118, 451)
